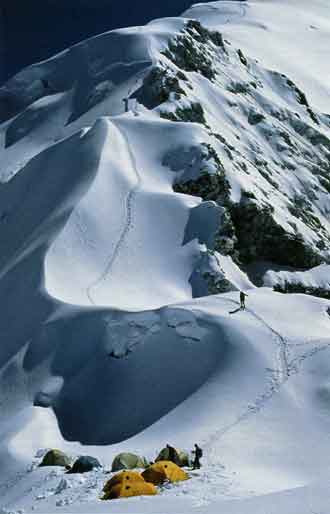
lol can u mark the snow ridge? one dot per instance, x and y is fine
(128, 223)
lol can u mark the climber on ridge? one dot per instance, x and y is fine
(242, 297)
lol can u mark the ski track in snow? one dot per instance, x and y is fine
(128, 223)
(284, 370)
(85, 240)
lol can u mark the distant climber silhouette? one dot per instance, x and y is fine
(242, 297)
(126, 103)
(45, 83)
(198, 455)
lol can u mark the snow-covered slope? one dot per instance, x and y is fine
(289, 36)
(314, 281)
(117, 229)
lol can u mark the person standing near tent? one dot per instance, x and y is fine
(198, 455)
(126, 100)
(242, 297)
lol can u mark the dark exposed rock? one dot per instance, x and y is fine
(216, 284)
(297, 287)
(194, 113)
(260, 237)
(302, 209)
(204, 35)
(242, 57)
(239, 88)
(208, 277)
(208, 186)
(301, 98)
(213, 187)
(248, 230)
(158, 86)
(190, 51)
(255, 117)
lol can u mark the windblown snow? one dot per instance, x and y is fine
(126, 238)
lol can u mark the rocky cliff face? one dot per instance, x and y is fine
(263, 151)
(267, 162)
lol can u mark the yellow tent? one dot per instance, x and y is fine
(126, 484)
(163, 471)
(125, 477)
(125, 490)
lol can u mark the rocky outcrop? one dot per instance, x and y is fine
(259, 237)
(189, 56)
(193, 113)
(249, 229)
(211, 184)
(298, 288)
(159, 86)
(208, 277)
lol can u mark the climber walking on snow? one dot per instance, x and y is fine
(242, 297)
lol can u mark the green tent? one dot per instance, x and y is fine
(181, 457)
(56, 458)
(84, 464)
(128, 461)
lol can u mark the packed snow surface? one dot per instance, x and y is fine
(290, 36)
(111, 337)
